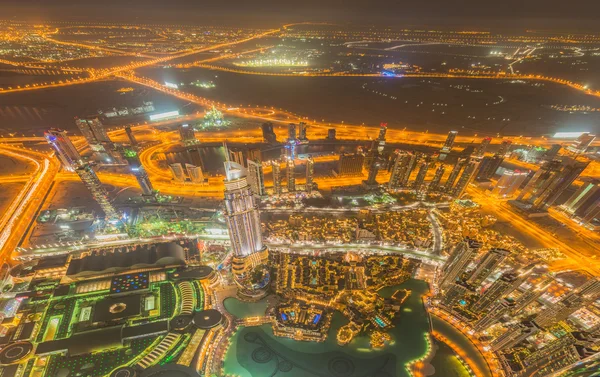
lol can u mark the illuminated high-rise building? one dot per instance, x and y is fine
(582, 143)
(64, 148)
(177, 172)
(276, 177)
(137, 169)
(381, 137)
(331, 134)
(437, 178)
(187, 134)
(243, 223)
(488, 167)
(268, 133)
(195, 173)
(504, 148)
(92, 183)
(449, 143)
(466, 177)
(310, 171)
(458, 262)
(552, 153)
(131, 136)
(237, 156)
(487, 265)
(497, 311)
(350, 164)
(302, 131)
(514, 335)
(290, 168)
(585, 200)
(371, 180)
(531, 295)
(256, 177)
(551, 181)
(503, 286)
(509, 183)
(93, 130)
(421, 174)
(399, 168)
(291, 132)
(412, 163)
(456, 169)
(482, 148)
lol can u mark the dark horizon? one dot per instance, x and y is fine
(509, 15)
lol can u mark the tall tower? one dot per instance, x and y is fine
(504, 148)
(505, 284)
(256, 177)
(302, 131)
(509, 183)
(291, 132)
(310, 170)
(92, 183)
(466, 177)
(437, 178)
(485, 143)
(449, 143)
(131, 136)
(187, 134)
(177, 172)
(137, 169)
(462, 255)
(243, 222)
(399, 168)
(420, 180)
(454, 174)
(412, 162)
(290, 168)
(64, 148)
(487, 265)
(195, 173)
(488, 167)
(381, 138)
(276, 177)
(93, 130)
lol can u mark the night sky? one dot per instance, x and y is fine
(551, 14)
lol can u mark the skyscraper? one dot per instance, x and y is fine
(412, 163)
(460, 163)
(302, 132)
(381, 137)
(93, 130)
(585, 200)
(243, 223)
(350, 164)
(276, 177)
(268, 133)
(64, 148)
(291, 132)
(237, 156)
(582, 143)
(92, 183)
(437, 178)
(488, 264)
(462, 255)
(195, 173)
(550, 181)
(449, 143)
(504, 148)
(371, 180)
(509, 183)
(290, 168)
(422, 173)
(131, 136)
(466, 177)
(482, 148)
(488, 167)
(256, 177)
(399, 167)
(137, 169)
(310, 170)
(552, 152)
(177, 172)
(331, 134)
(187, 134)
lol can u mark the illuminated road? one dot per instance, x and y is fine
(22, 211)
(577, 260)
